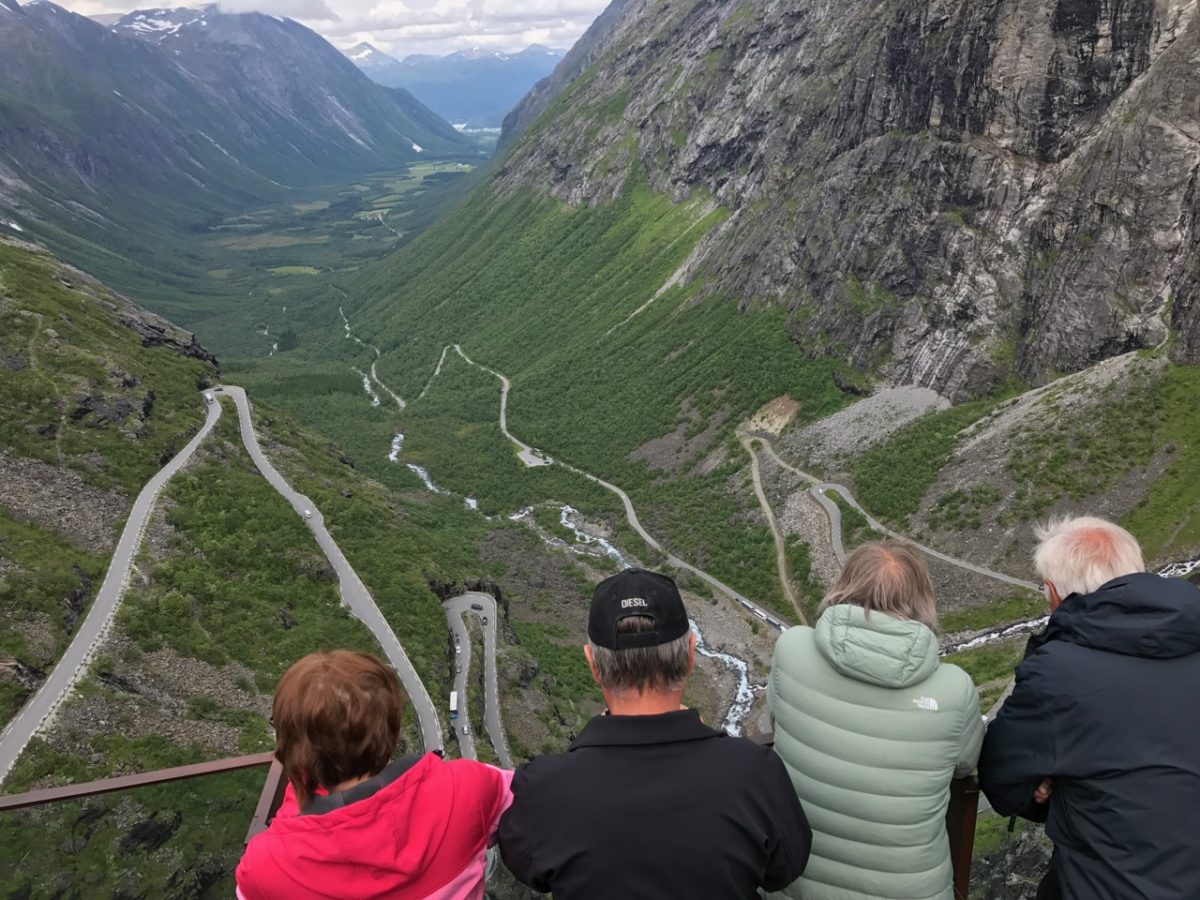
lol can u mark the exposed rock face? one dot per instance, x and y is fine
(1014, 870)
(51, 497)
(940, 191)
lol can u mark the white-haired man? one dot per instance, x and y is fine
(1101, 736)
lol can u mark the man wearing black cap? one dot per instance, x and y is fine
(649, 801)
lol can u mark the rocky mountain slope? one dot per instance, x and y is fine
(475, 87)
(943, 194)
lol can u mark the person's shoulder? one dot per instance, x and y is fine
(794, 645)
(956, 685)
(742, 752)
(796, 636)
(477, 773)
(545, 770)
(258, 859)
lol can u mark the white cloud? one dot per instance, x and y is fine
(401, 27)
(302, 10)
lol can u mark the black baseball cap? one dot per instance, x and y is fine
(636, 592)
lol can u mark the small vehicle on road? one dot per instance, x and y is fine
(485, 620)
(308, 514)
(458, 668)
(478, 607)
(209, 398)
(466, 729)
(458, 648)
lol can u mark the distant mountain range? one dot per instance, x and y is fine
(178, 117)
(473, 88)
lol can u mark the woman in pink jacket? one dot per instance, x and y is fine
(354, 822)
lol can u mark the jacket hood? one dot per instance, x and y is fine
(1136, 615)
(876, 648)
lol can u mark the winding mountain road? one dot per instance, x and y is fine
(630, 513)
(354, 593)
(820, 488)
(781, 563)
(456, 609)
(96, 624)
(91, 633)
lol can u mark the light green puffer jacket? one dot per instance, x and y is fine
(872, 729)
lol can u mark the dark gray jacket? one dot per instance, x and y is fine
(1107, 704)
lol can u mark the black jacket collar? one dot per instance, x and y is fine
(628, 731)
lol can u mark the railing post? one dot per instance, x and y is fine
(961, 816)
(268, 801)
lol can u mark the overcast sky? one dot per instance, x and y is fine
(401, 27)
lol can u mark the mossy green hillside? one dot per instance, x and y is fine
(45, 583)
(892, 477)
(63, 340)
(84, 394)
(243, 581)
(550, 295)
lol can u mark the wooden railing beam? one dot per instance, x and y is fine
(130, 782)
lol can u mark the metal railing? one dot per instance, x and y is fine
(268, 801)
(961, 814)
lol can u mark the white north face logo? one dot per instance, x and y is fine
(633, 601)
(926, 703)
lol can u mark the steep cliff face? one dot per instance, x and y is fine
(939, 191)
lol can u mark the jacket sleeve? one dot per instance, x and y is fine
(791, 844)
(502, 781)
(970, 740)
(1019, 750)
(519, 832)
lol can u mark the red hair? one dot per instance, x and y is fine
(337, 717)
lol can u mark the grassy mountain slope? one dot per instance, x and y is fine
(98, 393)
(540, 291)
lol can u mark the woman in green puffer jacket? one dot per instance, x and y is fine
(873, 728)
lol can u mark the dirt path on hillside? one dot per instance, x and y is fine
(781, 561)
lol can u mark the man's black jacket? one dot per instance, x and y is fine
(1107, 704)
(654, 807)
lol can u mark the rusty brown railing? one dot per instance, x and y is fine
(268, 801)
(961, 817)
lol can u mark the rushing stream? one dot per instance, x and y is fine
(366, 380)
(586, 543)
(1180, 569)
(744, 698)
(397, 445)
(423, 474)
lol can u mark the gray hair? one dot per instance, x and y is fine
(662, 668)
(888, 577)
(1079, 555)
